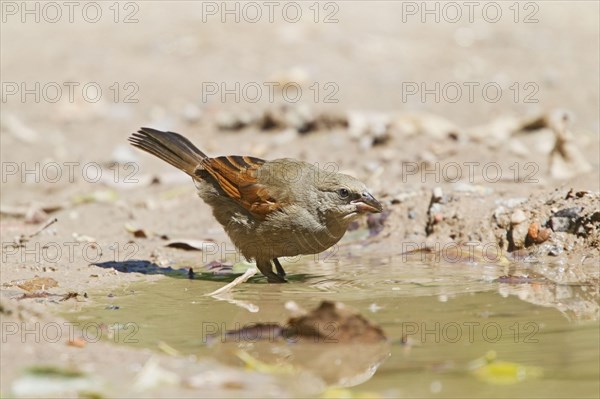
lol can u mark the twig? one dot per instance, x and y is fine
(22, 239)
(44, 227)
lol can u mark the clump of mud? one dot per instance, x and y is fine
(350, 326)
(330, 322)
(552, 224)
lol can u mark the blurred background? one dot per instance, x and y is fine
(155, 62)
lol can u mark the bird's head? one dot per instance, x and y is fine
(345, 197)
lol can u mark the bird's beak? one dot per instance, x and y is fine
(367, 204)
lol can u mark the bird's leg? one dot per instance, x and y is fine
(280, 271)
(266, 268)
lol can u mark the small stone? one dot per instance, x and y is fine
(536, 234)
(518, 235)
(569, 212)
(435, 208)
(533, 231)
(555, 250)
(560, 224)
(518, 216)
(501, 216)
(569, 194)
(543, 235)
(438, 194)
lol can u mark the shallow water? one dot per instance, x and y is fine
(442, 320)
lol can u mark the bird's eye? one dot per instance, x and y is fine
(343, 192)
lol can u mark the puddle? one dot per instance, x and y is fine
(442, 321)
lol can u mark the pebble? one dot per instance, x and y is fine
(438, 194)
(537, 234)
(435, 209)
(519, 234)
(533, 231)
(518, 216)
(555, 250)
(499, 215)
(569, 212)
(560, 224)
(543, 235)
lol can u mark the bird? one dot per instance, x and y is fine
(269, 209)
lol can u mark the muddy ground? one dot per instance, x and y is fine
(509, 181)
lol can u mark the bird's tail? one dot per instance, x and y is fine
(170, 147)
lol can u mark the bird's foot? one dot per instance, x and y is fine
(267, 269)
(275, 278)
(279, 268)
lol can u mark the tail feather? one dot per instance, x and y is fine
(170, 147)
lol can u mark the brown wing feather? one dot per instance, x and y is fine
(237, 177)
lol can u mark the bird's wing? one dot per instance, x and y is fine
(237, 176)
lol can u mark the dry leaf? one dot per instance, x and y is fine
(137, 232)
(190, 245)
(37, 284)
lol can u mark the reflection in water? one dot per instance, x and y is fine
(439, 318)
(337, 364)
(333, 342)
(576, 303)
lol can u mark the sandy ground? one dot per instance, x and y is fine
(518, 171)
